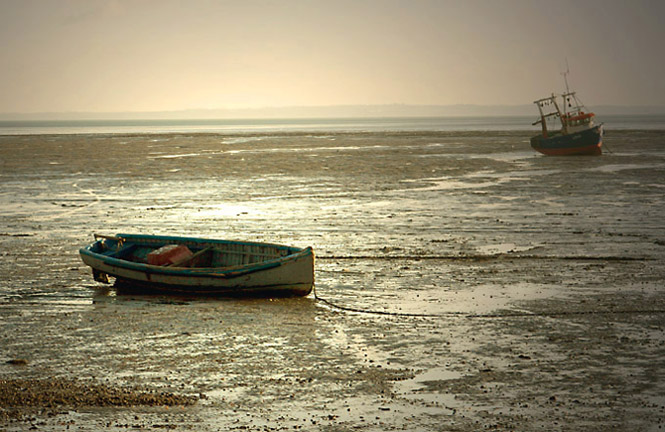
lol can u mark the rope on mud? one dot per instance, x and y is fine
(480, 257)
(568, 313)
(488, 316)
(607, 148)
(377, 312)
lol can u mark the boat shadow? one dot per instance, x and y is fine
(122, 292)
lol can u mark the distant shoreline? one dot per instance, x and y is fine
(308, 125)
(324, 112)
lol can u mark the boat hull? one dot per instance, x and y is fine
(291, 274)
(586, 142)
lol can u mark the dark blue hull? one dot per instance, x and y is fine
(586, 142)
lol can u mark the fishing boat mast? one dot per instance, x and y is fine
(568, 98)
(551, 100)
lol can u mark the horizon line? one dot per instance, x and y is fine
(321, 111)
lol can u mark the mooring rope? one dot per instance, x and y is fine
(489, 315)
(377, 312)
(480, 257)
(477, 258)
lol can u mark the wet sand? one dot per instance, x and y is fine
(511, 291)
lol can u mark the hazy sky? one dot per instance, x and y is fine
(160, 55)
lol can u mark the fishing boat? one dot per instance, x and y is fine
(578, 135)
(188, 265)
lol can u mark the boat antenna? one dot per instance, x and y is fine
(565, 76)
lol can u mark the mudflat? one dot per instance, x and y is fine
(464, 283)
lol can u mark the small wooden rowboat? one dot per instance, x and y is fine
(187, 265)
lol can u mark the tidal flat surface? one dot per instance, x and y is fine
(489, 287)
